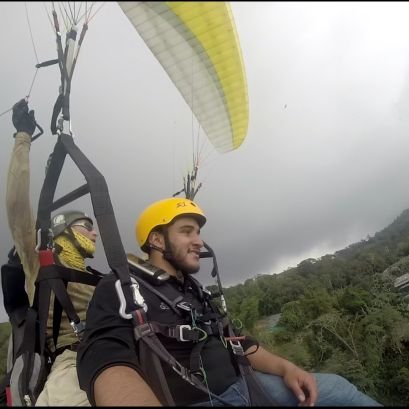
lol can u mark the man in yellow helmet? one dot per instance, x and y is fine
(202, 361)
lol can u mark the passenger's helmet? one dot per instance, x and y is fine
(162, 213)
(65, 219)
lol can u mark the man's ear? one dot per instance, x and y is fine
(157, 240)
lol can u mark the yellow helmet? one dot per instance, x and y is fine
(162, 213)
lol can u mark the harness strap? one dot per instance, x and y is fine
(55, 277)
(195, 365)
(144, 333)
(57, 314)
(152, 367)
(172, 304)
(256, 391)
(72, 347)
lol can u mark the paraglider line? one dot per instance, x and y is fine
(32, 83)
(5, 112)
(49, 17)
(64, 15)
(72, 21)
(31, 33)
(86, 13)
(96, 11)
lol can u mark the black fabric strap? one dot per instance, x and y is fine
(257, 394)
(143, 333)
(57, 314)
(44, 296)
(179, 332)
(195, 364)
(152, 369)
(67, 275)
(104, 214)
(170, 303)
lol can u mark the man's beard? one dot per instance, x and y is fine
(181, 265)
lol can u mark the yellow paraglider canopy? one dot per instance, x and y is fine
(182, 35)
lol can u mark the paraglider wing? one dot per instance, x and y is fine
(197, 45)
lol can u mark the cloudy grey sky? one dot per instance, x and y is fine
(325, 162)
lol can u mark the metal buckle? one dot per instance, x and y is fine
(122, 301)
(137, 296)
(182, 371)
(50, 240)
(236, 347)
(184, 305)
(180, 332)
(78, 328)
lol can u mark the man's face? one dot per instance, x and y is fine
(86, 228)
(185, 242)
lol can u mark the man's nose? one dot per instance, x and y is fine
(198, 241)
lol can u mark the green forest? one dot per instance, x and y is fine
(340, 313)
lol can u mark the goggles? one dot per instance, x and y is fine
(85, 224)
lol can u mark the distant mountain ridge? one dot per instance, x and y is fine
(387, 250)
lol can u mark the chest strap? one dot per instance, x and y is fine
(182, 332)
(143, 332)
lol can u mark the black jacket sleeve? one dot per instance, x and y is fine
(108, 339)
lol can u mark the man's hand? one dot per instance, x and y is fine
(302, 384)
(23, 119)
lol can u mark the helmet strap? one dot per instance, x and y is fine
(167, 252)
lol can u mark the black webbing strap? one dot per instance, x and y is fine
(57, 314)
(257, 394)
(47, 192)
(44, 296)
(152, 369)
(104, 214)
(179, 332)
(101, 203)
(143, 333)
(56, 111)
(29, 339)
(56, 277)
(170, 303)
(50, 278)
(67, 275)
(195, 363)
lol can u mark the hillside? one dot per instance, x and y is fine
(340, 313)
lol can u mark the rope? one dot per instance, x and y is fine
(205, 380)
(97, 10)
(32, 83)
(31, 33)
(5, 112)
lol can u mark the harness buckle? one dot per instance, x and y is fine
(184, 305)
(182, 371)
(78, 327)
(38, 240)
(137, 296)
(179, 334)
(236, 346)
